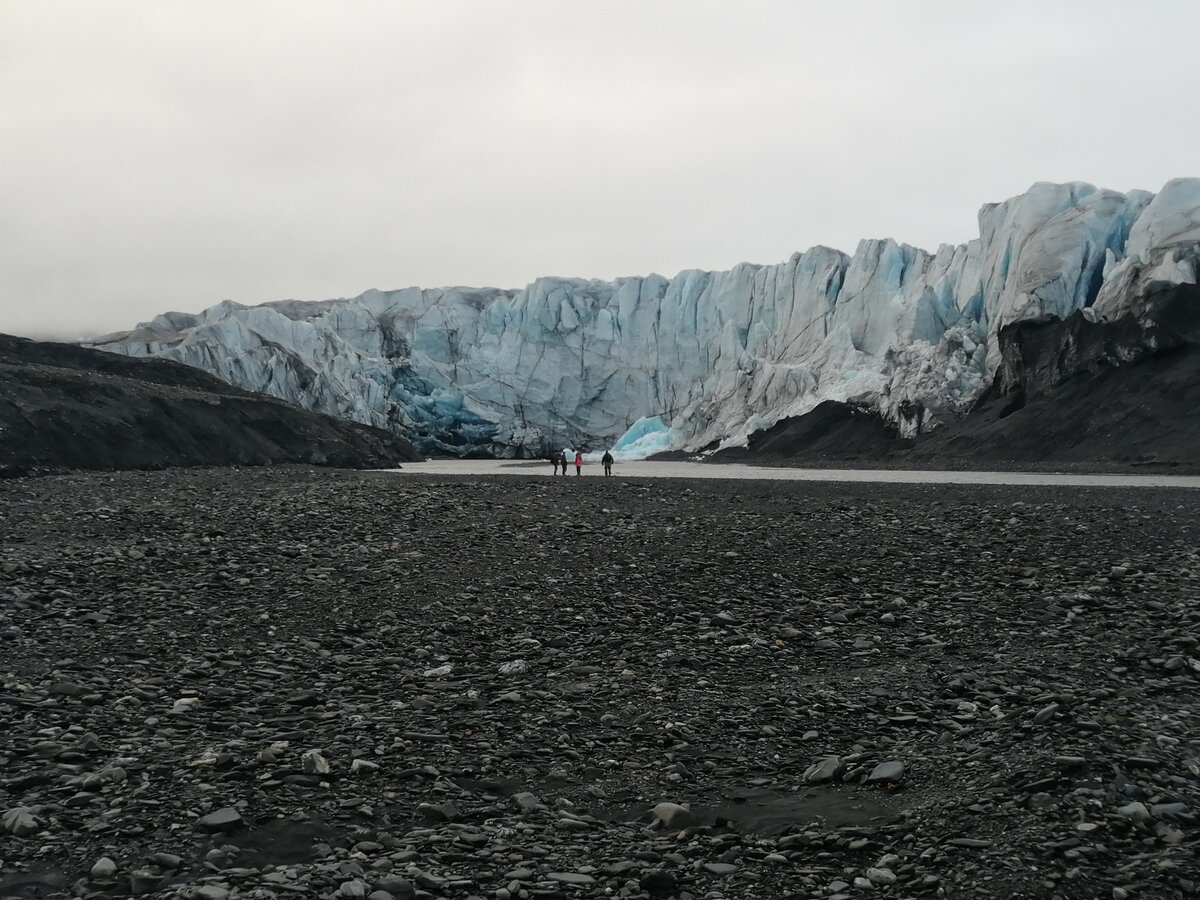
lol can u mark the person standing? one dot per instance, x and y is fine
(607, 460)
(578, 462)
(566, 457)
(554, 462)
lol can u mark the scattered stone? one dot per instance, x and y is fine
(1045, 714)
(672, 815)
(891, 772)
(823, 770)
(226, 819)
(527, 802)
(104, 869)
(1135, 811)
(881, 876)
(438, 812)
(570, 878)
(313, 762)
(20, 821)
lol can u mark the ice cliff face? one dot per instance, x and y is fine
(715, 355)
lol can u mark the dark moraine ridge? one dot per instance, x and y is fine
(290, 682)
(833, 431)
(67, 407)
(1068, 394)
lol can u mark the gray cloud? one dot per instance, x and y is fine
(168, 155)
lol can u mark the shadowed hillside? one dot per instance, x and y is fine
(67, 407)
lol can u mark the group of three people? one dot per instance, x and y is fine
(565, 460)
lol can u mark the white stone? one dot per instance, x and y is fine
(103, 869)
(672, 815)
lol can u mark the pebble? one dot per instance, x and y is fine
(823, 770)
(225, 819)
(103, 870)
(1135, 811)
(363, 767)
(672, 815)
(313, 762)
(570, 878)
(1045, 714)
(881, 876)
(891, 771)
(20, 821)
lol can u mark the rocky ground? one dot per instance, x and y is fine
(291, 683)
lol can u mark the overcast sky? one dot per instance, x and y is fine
(165, 155)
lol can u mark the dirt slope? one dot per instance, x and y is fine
(67, 407)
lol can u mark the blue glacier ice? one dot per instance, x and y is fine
(645, 437)
(709, 356)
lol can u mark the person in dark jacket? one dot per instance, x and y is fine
(607, 460)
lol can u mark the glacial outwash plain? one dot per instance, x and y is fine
(291, 682)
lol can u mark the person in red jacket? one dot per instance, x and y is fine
(578, 463)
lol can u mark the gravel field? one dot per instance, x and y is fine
(282, 683)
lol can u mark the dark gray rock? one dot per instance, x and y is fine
(891, 771)
(226, 819)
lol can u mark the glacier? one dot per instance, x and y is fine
(703, 359)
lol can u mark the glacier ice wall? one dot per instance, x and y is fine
(716, 355)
